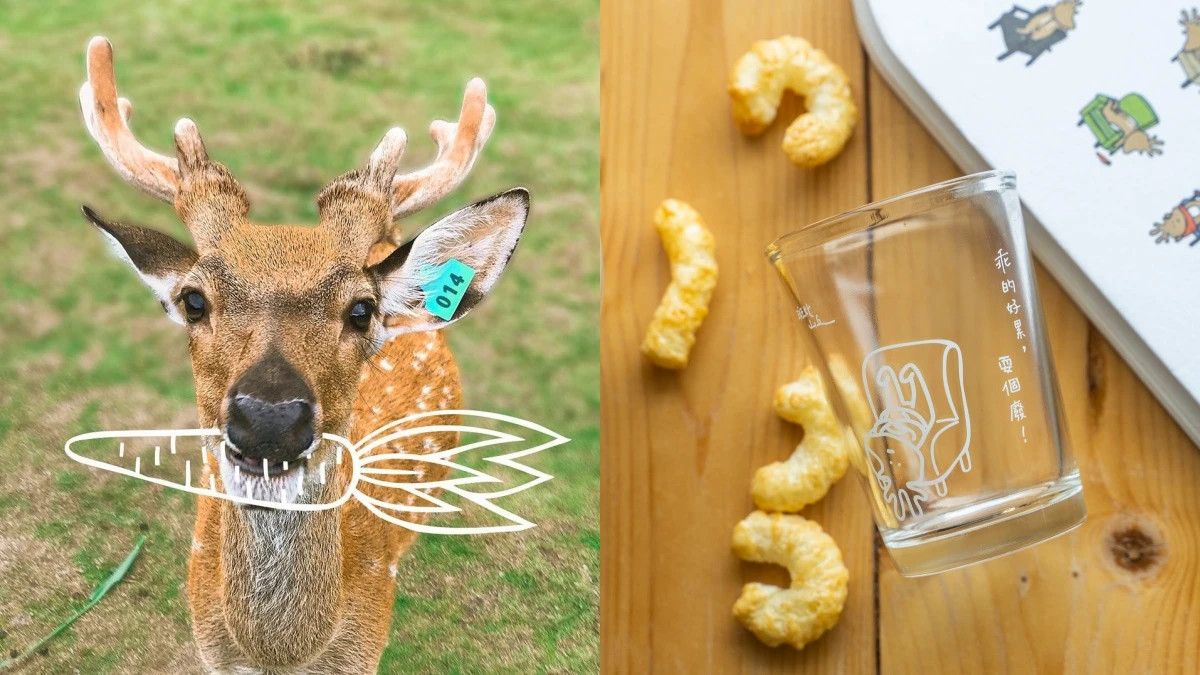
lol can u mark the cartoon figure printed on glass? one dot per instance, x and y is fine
(919, 433)
(806, 314)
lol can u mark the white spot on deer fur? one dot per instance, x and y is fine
(441, 371)
(429, 443)
(416, 365)
(421, 405)
(362, 378)
(446, 391)
(386, 365)
(393, 570)
(388, 389)
(425, 390)
(376, 410)
(196, 545)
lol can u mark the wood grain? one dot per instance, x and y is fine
(679, 449)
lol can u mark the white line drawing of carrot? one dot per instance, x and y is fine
(364, 468)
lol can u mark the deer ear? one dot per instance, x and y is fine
(435, 279)
(159, 259)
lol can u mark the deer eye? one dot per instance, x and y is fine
(194, 306)
(360, 315)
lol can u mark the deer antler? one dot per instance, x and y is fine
(361, 205)
(1159, 231)
(358, 205)
(107, 120)
(458, 146)
(204, 194)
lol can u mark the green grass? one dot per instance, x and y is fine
(289, 98)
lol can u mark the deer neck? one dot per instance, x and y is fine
(283, 591)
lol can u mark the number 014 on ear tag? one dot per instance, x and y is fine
(445, 291)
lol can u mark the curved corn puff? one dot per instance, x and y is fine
(691, 249)
(756, 86)
(820, 580)
(847, 384)
(817, 463)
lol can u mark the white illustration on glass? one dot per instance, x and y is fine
(806, 314)
(910, 420)
(366, 466)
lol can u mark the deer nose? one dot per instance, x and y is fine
(273, 431)
(270, 412)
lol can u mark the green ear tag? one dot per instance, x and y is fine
(445, 291)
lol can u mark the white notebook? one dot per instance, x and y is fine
(1096, 106)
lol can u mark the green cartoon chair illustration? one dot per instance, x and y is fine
(1122, 124)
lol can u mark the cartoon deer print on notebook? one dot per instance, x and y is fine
(1189, 54)
(1180, 222)
(1122, 124)
(1032, 33)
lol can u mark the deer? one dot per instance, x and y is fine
(294, 332)
(1189, 54)
(1181, 221)
(1060, 17)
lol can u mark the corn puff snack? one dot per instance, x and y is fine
(820, 580)
(847, 384)
(692, 252)
(859, 411)
(817, 463)
(756, 86)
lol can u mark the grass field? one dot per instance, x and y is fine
(289, 98)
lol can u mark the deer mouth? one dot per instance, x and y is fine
(267, 480)
(245, 465)
(257, 467)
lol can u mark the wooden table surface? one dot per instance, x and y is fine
(1118, 595)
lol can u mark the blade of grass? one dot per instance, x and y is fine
(97, 595)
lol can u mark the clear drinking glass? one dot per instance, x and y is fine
(925, 315)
